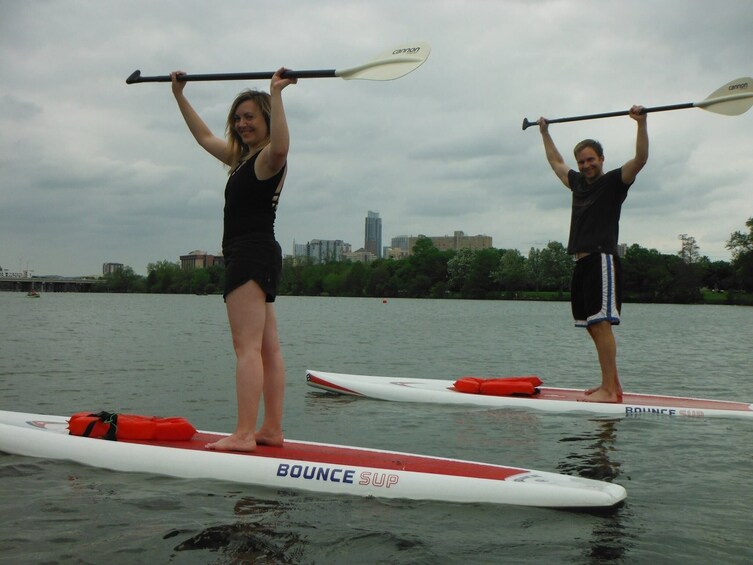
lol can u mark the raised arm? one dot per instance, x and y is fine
(631, 169)
(552, 154)
(274, 156)
(211, 143)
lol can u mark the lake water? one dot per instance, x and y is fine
(689, 481)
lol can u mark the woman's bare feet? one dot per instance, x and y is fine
(232, 443)
(273, 439)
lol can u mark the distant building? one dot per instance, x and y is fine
(395, 253)
(401, 242)
(326, 250)
(622, 249)
(200, 260)
(455, 242)
(373, 234)
(300, 249)
(110, 268)
(361, 255)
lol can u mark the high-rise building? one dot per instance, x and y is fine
(373, 234)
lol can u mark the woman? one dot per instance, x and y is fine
(256, 153)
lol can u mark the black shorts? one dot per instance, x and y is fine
(596, 290)
(255, 258)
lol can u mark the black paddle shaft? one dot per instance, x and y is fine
(136, 76)
(527, 124)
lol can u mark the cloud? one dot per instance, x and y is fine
(94, 170)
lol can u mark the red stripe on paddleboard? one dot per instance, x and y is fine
(353, 457)
(321, 382)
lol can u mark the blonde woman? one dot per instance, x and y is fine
(256, 151)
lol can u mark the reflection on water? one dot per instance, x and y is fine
(592, 456)
(593, 460)
(260, 536)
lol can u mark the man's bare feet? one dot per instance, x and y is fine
(600, 395)
(232, 443)
(594, 389)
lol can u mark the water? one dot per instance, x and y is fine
(688, 481)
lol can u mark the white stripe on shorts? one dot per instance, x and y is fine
(609, 311)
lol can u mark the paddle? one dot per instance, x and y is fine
(732, 99)
(391, 64)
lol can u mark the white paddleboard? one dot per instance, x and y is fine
(548, 399)
(311, 466)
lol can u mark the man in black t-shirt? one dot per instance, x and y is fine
(597, 197)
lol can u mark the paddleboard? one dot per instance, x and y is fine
(310, 466)
(548, 399)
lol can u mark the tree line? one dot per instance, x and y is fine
(649, 276)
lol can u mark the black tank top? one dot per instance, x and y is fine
(250, 203)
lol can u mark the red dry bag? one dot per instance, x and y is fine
(130, 427)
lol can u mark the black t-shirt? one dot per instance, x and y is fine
(595, 217)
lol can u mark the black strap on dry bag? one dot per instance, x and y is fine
(107, 418)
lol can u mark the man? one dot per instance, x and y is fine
(597, 197)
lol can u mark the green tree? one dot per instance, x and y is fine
(425, 272)
(356, 279)
(165, 277)
(459, 269)
(740, 242)
(689, 250)
(645, 274)
(510, 274)
(534, 269)
(718, 275)
(481, 282)
(200, 281)
(741, 245)
(381, 281)
(122, 280)
(556, 267)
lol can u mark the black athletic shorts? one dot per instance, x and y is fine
(256, 257)
(596, 290)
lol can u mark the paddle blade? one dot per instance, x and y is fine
(732, 99)
(391, 64)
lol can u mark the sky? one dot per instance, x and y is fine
(93, 170)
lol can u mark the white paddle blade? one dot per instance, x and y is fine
(732, 99)
(391, 64)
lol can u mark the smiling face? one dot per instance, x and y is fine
(250, 125)
(590, 164)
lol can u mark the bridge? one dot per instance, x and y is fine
(45, 284)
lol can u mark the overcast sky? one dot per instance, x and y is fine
(94, 170)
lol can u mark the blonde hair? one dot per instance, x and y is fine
(237, 150)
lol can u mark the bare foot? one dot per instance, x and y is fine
(264, 438)
(600, 395)
(594, 389)
(232, 443)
